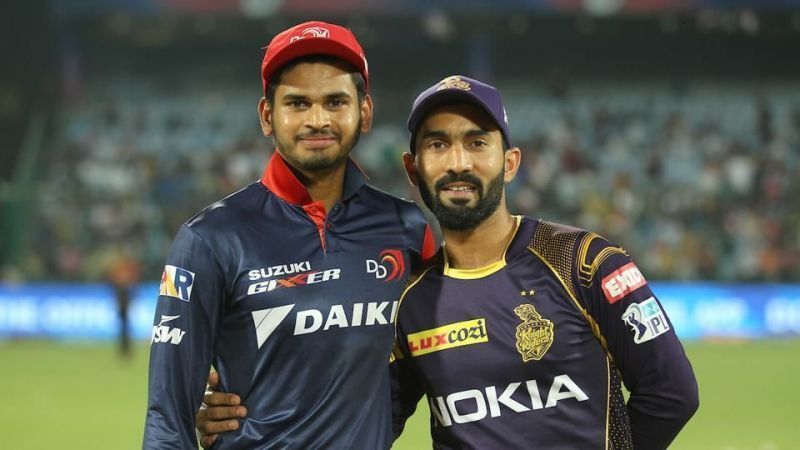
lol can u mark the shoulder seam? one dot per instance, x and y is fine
(410, 286)
(210, 249)
(586, 270)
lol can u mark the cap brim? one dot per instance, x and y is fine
(313, 46)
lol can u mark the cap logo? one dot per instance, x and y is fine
(454, 82)
(313, 32)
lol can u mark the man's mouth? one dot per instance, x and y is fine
(317, 141)
(459, 187)
(458, 191)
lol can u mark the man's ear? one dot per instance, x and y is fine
(410, 164)
(366, 114)
(513, 158)
(265, 116)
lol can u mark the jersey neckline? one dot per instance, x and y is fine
(480, 272)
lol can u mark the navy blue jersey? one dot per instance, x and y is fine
(293, 305)
(528, 352)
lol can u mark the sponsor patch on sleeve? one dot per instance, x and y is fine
(622, 282)
(166, 334)
(646, 319)
(177, 283)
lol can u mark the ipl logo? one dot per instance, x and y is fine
(313, 32)
(390, 265)
(646, 319)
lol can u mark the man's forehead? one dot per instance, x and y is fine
(319, 77)
(458, 117)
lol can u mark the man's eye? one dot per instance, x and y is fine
(297, 103)
(479, 144)
(438, 145)
(336, 103)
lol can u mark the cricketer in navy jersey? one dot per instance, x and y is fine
(252, 288)
(522, 341)
(291, 301)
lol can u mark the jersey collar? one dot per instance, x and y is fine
(280, 179)
(523, 229)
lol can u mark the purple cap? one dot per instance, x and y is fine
(459, 89)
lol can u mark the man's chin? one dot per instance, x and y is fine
(457, 203)
(321, 162)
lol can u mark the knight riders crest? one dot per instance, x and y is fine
(534, 335)
(454, 82)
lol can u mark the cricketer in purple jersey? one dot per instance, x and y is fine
(528, 353)
(519, 331)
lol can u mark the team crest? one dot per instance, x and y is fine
(312, 32)
(454, 82)
(534, 335)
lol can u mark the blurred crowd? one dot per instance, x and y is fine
(698, 180)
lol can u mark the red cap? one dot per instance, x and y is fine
(313, 38)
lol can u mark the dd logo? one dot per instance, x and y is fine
(389, 266)
(377, 269)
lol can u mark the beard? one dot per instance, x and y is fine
(318, 161)
(462, 217)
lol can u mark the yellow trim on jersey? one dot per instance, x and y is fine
(408, 288)
(592, 324)
(608, 396)
(480, 272)
(397, 353)
(586, 271)
(474, 274)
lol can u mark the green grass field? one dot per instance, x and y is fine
(73, 396)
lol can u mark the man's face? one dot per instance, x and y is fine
(316, 118)
(460, 166)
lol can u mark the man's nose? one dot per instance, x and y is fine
(459, 159)
(318, 117)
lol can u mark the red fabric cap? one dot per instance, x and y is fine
(313, 38)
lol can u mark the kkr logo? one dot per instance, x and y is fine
(448, 336)
(300, 279)
(454, 82)
(535, 333)
(177, 283)
(313, 32)
(391, 265)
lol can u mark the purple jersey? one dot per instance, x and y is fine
(528, 352)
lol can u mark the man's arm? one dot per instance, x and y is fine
(187, 314)
(405, 391)
(642, 342)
